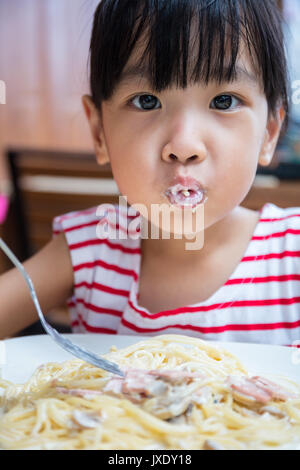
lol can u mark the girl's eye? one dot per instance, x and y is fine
(145, 102)
(225, 102)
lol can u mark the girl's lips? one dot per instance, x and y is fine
(188, 182)
(188, 192)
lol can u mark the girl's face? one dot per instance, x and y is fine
(216, 134)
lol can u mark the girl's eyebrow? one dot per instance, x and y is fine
(134, 72)
(243, 75)
(138, 71)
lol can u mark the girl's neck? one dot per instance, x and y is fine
(216, 237)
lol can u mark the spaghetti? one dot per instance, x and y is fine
(178, 393)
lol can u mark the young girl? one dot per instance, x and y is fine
(187, 98)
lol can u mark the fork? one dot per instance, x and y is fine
(65, 343)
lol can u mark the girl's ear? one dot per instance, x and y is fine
(272, 134)
(96, 128)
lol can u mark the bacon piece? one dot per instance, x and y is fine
(257, 390)
(136, 383)
(167, 386)
(176, 376)
(79, 392)
(277, 391)
(114, 385)
(150, 382)
(247, 391)
(141, 382)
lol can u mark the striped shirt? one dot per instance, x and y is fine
(259, 303)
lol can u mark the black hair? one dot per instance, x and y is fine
(169, 26)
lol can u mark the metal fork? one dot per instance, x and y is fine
(65, 343)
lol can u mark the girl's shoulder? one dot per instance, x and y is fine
(104, 224)
(286, 217)
(281, 225)
(73, 219)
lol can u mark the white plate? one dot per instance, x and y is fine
(19, 357)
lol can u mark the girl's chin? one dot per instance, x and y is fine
(170, 222)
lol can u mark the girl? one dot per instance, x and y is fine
(187, 98)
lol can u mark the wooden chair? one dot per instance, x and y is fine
(47, 184)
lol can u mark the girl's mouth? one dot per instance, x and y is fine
(186, 196)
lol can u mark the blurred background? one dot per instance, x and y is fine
(47, 165)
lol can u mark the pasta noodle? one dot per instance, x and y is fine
(178, 393)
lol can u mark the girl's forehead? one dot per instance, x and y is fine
(139, 68)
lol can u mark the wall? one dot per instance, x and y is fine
(43, 61)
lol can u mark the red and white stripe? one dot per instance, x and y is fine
(259, 303)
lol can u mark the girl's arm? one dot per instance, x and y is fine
(52, 275)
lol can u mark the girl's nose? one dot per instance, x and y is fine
(184, 148)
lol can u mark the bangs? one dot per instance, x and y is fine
(199, 45)
(187, 41)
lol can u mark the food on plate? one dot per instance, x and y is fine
(177, 393)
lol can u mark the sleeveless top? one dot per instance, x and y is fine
(259, 303)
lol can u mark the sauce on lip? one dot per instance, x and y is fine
(184, 197)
